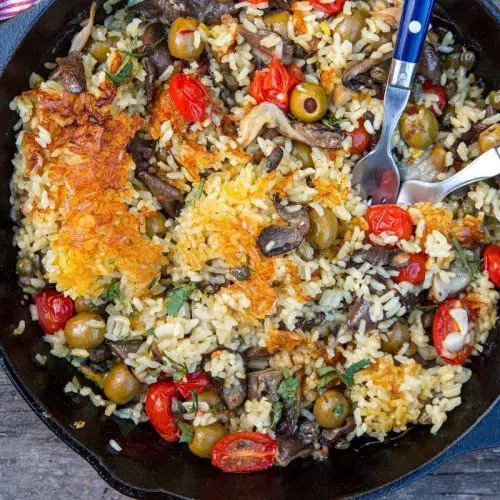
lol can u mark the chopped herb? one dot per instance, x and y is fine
(338, 410)
(123, 74)
(288, 387)
(277, 412)
(181, 370)
(470, 271)
(329, 373)
(177, 297)
(195, 194)
(112, 292)
(186, 432)
(196, 404)
(153, 282)
(428, 308)
(111, 262)
(331, 122)
(150, 331)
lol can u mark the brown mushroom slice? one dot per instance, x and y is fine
(264, 55)
(359, 311)
(71, 72)
(264, 383)
(357, 75)
(141, 151)
(169, 197)
(308, 324)
(235, 394)
(430, 65)
(291, 410)
(81, 38)
(155, 47)
(380, 256)
(123, 349)
(268, 114)
(291, 448)
(330, 436)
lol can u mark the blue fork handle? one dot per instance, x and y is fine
(413, 28)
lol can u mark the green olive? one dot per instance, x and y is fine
(494, 99)
(155, 225)
(85, 331)
(99, 50)
(83, 305)
(308, 102)
(303, 152)
(350, 26)
(205, 438)
(396, 337)
(277, 22)
(467, 59)
(324, 229)
(25, 267)
(210, 397)
(490, 138)
(181, 39)
(418, 127)
(331, 409)
(450, 89)
(120, 386)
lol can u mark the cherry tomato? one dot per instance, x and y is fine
(274, 83)
(332, 8)
(360, 140)
(197, 381)
(54, 310)
(414, 272)
(389, 219)
(190, 97)
(243, 452)
(159, 410)
(491, 256)
(436, 89)
(444, 325)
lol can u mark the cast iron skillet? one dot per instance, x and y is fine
(149, 467)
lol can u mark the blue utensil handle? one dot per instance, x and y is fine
(413, 28)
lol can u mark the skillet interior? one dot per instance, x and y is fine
(147, 465)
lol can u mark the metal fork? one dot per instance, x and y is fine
(377, 173)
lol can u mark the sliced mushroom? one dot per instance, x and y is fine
(235, 394)
(264, 383)
(430, 63)
(156, 48)
(72, 73)
(99, 354)
(256, 353)
(169, 197)
(291, 410)
(274, 160)
(359, 311)
(269, 114)
(123, 349)
(308, 324)
(142, 151)
(81, 38)
(330, 436)
(264, 55)
(441, 289)
(164, 11)
(291, 448)
(278, 240)
(381, 256)
(357, 75)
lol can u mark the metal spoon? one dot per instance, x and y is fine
(484, 167)
(377, 173)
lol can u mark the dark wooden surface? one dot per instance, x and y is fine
(35, 464)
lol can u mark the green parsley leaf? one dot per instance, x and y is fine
(427, 308)
(277, 412)
(152, 282)
(186, 432)
(329, 373)
(331, 122)
(196, 404)
(181, 370)
(150, 331)
(176, 297)
(123, 74)
(338, 410)
(460, 251)
(288, 387)
(195, 194)
(112, 292)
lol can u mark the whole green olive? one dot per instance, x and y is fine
(324, 228)
(210, 397)
(308, 102)
(303, 152)
(85, 331)
(331, 409)
(418, 127)
(277, 22)
(120, 386)
(205, 438)
(396, 337)
(155, 225)
(182, 42)
(350, 26)
(467, 59)
(494, 99)
(25, 267)
(490, 138)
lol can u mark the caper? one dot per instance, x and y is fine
(99, 50)
(494, 99)
(210, 397)
(490, 138)
(351, 26)
(85, 331)
(120, 386)
(331, 409)
(324, 228)
(205, 438)
(182, 42)
(450, 89)
(467, 59)
(418, 127)
(25, 267)
(452, 61)
(303, 152)
(277, 22)
(308, 102)
(85, 305)
(155, 225)
(396, 337)
(379, 74)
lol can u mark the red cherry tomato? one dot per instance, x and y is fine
(332, 8)
(436, 89)
(243, 452)
(360, 140)
(414, 272)
(491, 256)
(159, 410)
(444, 325)
(274, 83)
(190, 97)
(197, 381)
(54, 310)
(389, 219)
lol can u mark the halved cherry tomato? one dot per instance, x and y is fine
(444, 325)
(436, 89)
(243, 452)
(414, 272)
(197, 381)
(190, 97)
(274, 83)
(360, 140)
(332, 8)
(54, 310)
(491, 256)
(159, 410)
(389, 219)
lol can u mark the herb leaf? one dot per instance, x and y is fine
(181, 369)
(112, 292)
(176, 297)
(427, 308)
(338, 410)
(288, 388)
(123, 74)
(196, 404)
(186, 432)
(195, 194)
(152, 282)
(331, 122)
(277, 412)
(329, 373)
(460, 251)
